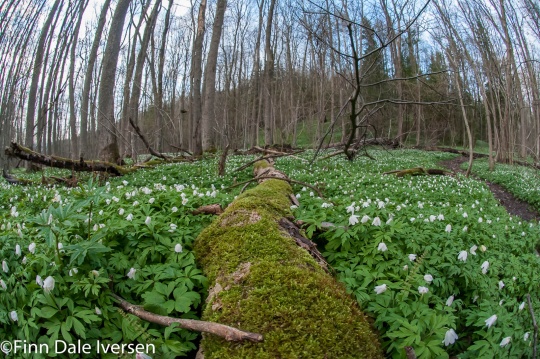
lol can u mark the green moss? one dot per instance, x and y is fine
(285, 295)
(261, 164)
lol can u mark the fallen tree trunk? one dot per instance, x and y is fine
(24, 153)
(265, 279)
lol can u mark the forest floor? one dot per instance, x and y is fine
(514, 206)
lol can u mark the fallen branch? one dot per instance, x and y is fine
(220, 330)
(150, 149)
(24, 153)
(244, 166)
(273, 152)
(387, 142)
(535, 326)
(282, 179)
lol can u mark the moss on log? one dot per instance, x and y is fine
(262, 281)
(418, 171)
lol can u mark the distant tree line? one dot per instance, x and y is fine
(262, 72)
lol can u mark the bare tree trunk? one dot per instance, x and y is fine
(136, 88)
(254, 89)
(158, 98)
(209, 86)
(73, 58)
(38, 61)
(106, 131)
(196, 76)
(269, 78)
(86, 93)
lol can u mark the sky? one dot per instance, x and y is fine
(180, 7)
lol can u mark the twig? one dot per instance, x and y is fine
(150, 149)
(535, 326)
(182, 150)
(280, 154)
(220, 330)
(282, 179)
(244, 166)
(244, 188)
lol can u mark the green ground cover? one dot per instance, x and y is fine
(523, 182)
(429, 258)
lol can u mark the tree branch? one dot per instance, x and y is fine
(150, 149)
(220, 330)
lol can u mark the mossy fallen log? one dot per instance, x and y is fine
(263, 281)
(418, 171)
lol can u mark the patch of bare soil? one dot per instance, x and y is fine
(513, 206)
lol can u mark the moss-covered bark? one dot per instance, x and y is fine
(264, 283)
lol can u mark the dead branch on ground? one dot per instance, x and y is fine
(221, 330)
(244, 166)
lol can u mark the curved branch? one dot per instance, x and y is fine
(221, 330)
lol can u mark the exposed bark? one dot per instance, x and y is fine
(86, 94)
(223, 161)
(38, 63)
(195, 79)
(129, 143)
(107, 131)
(223, 331)
(209, 86)
(136, 88)
(409, 352)
(269, 78)
(214, 209)
(24, 153)
(158, 93)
